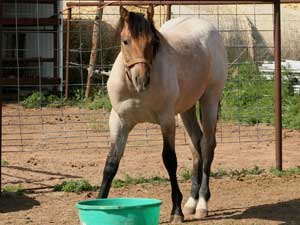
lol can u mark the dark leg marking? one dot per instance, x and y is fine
(170, 162)
(110, 170)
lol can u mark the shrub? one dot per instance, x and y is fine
(36, 100)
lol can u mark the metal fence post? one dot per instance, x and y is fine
(278, 109)
(68, 53)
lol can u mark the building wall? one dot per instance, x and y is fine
(27, 10)
(37, 42)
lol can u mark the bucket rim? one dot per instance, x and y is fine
(81, 205)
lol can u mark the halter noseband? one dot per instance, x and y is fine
(131, 63)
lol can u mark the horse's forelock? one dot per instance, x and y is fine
(136, 25)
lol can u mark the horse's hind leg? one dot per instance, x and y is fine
(118, 135)
(209, 111)
(194, 134)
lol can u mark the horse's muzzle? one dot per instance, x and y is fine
(140, 76)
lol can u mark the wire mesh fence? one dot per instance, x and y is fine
(45, 61)
(37, 36)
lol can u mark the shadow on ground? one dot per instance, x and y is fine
(287, 213)
(10, 202)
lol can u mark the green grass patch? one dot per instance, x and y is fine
(76, 186)
(287, 172)
(248, 98)
(17, 189)
(99, 100)
(4, 163)
(220, 172)
(118, 183)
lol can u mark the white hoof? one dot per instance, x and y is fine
(190, 206)
(201, 214)
(176, 219)
(202, 209)
(188, 211)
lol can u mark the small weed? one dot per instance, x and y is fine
(287, 172)
(219, 173)
(18, 189)
(244, 172)
(76, 186)
(117, 183)
(4, 163)
(237, 173)
(186, 174)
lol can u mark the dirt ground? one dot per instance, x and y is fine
(252, 200)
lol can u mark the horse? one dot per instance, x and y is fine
(157, 75)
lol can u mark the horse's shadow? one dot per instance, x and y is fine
(288, 213)
(11, 202)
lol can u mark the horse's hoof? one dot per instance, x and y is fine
(188, 211)
(201, 214)
(175, 219)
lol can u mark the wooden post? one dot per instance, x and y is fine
(168, 13)
(95, 44)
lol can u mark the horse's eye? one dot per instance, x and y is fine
(125, 42)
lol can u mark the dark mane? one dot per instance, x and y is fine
(138, 25)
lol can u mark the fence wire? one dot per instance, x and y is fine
(36, 115)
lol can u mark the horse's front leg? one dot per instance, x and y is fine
(170, 162)
(118, 137)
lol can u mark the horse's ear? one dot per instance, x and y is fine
(150, 12)
(123, 13)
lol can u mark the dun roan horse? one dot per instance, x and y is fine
(157, 75)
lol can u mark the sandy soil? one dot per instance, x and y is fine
(42, 164)
(260, 200)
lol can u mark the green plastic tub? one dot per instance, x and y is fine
(119, 211)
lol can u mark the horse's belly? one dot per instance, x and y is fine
(193, 78)
(190, 93)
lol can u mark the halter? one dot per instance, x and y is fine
(133, 62)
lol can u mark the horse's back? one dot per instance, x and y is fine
(197, 43)
(196, 36)
(184, 26)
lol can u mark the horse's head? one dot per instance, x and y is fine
(139, 44)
